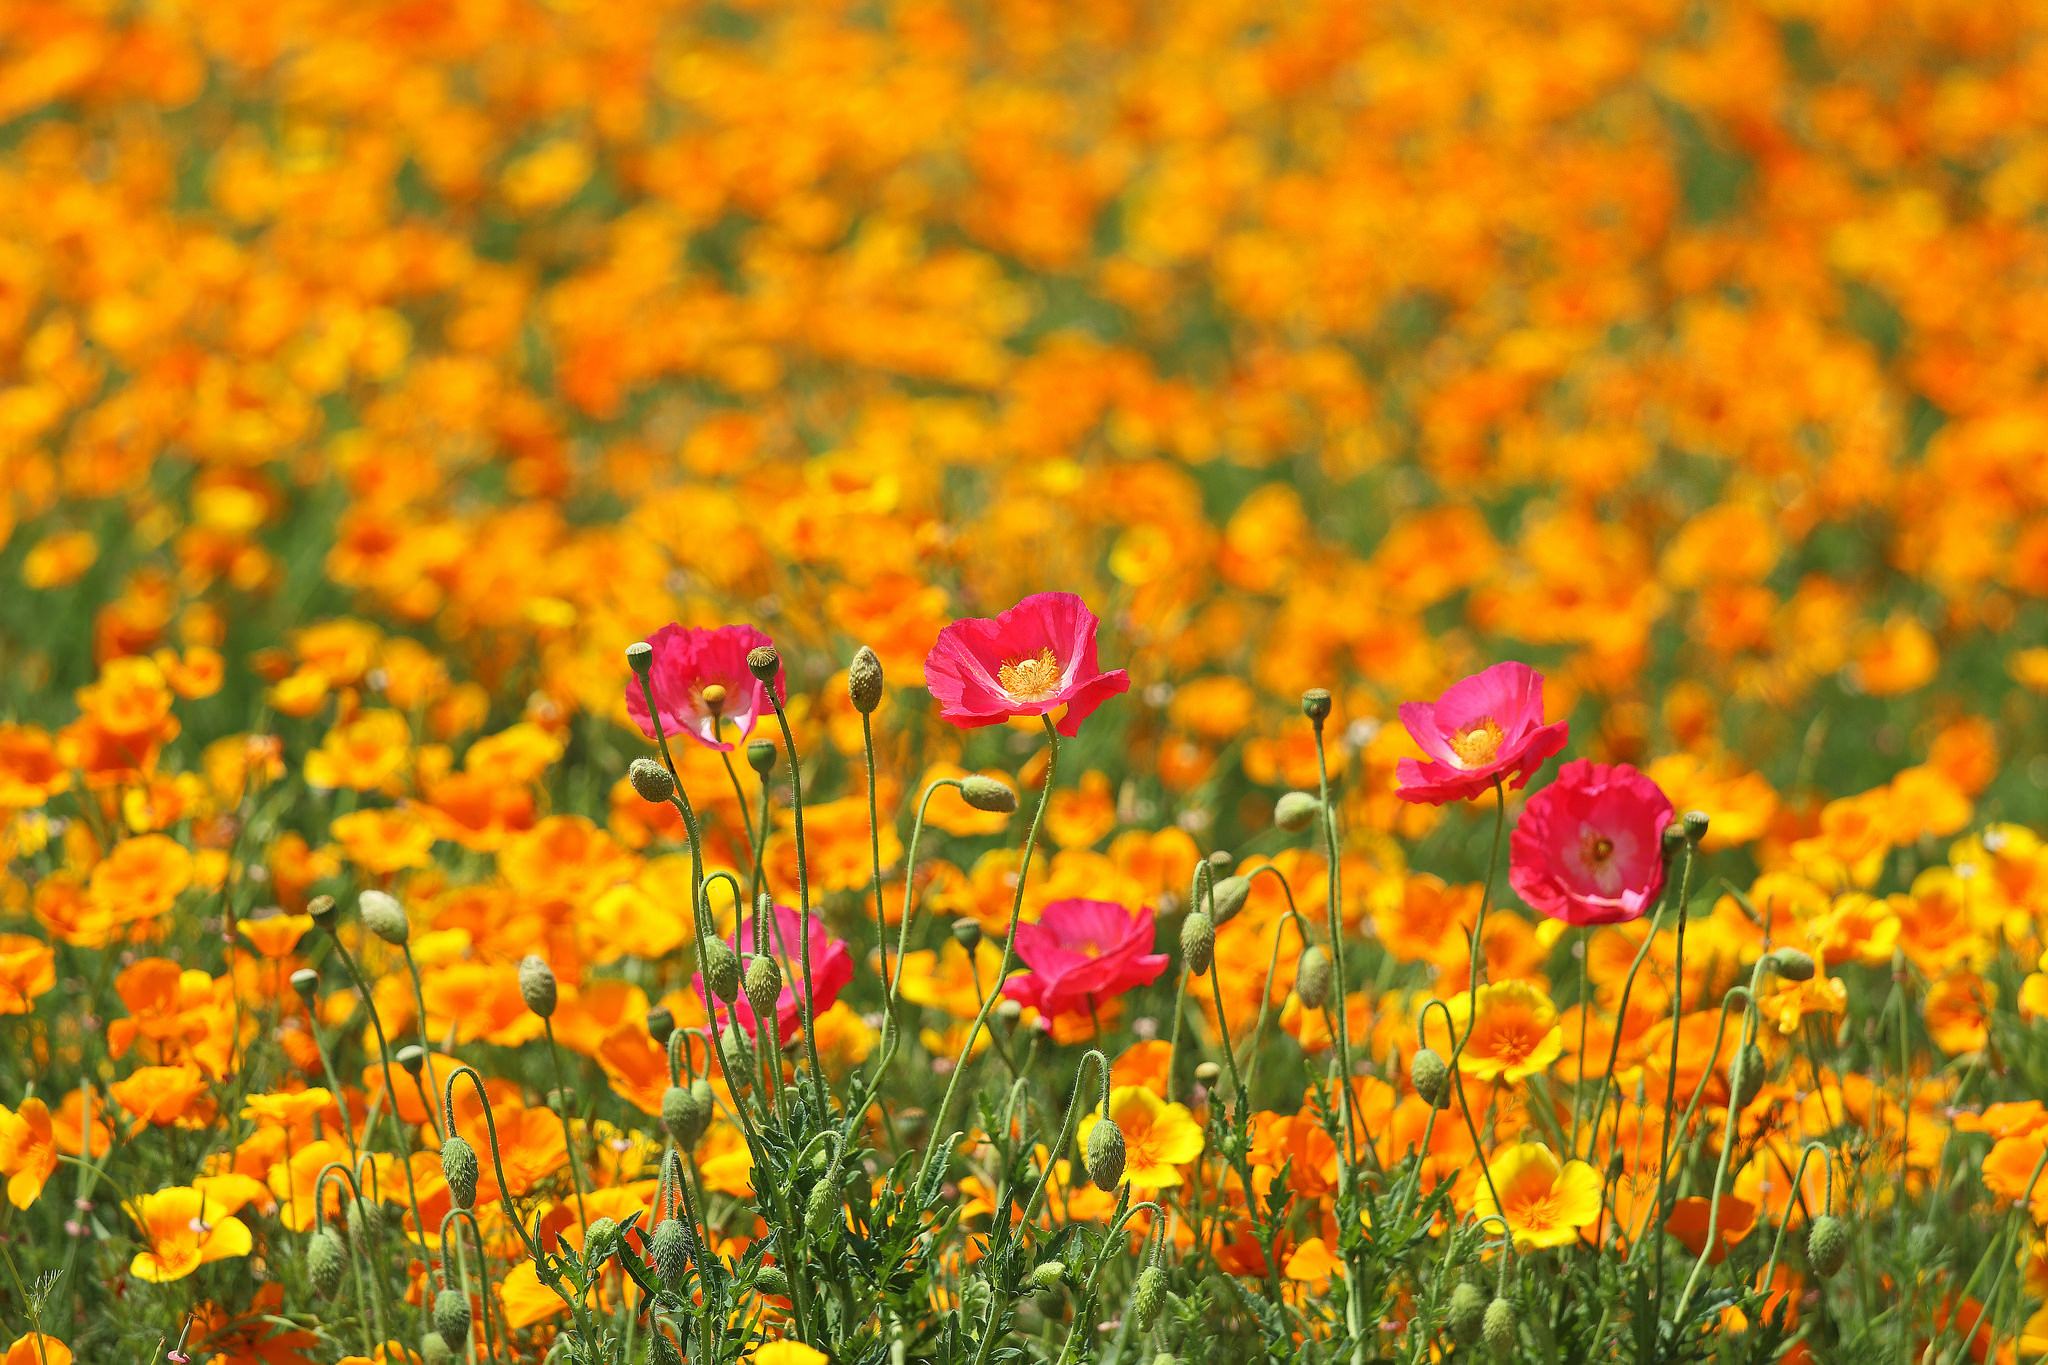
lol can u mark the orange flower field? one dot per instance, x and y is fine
(1023, 683)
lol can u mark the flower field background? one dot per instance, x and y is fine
(1629, 415)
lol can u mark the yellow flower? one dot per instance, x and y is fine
(181, 1236)
(1543, 1204)
(1158, 1137)
(788, 1353)
(1515, 1033)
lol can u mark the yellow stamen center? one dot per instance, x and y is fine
(1477, 743)
(1032, 679)
(1599, 849)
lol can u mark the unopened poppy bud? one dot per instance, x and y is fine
(661, 1023)
(326, 1262)
(772, 1280)
(1695, 822)
(986, 793)
(1498, 1327)
(760, 756)
(967, 934)
(1616, 1165)
(537, 984)
(763, 662)
(1749, 1074)
(1009, 1011)
(1315, 704)
(654, 783)
(1431, 1077)
(764, 984)
(1466, 1313)
(600, 1241)
(1297, 810)
(1230, 894)
(671, 1245)
(324, 912)
(821, 1210)
(640, 657)
(1106, 1154)
(1147, 1296)
(1048, 1276)
(412, 1058)
(434, 1350)
(1792, 964)
(679, 1116)
(1312, 977)
(459, 1169)
(1207, 1074)
(864, 681)
(365, 1221)
(306, 982)
(975, 1297)
(1827, 1245)
(451, 1316)
(722, 969)
(1198, 942)
(737, 1060)
(383, 916)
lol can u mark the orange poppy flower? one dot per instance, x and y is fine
(1543, 1203)
(28, 968)
(1515, 1031)
(275, 936)
(1689, 1220)
(31, 1139)
(385, 840)
(165, 1095)
(183, 1235)
(37, 1348)
(364, 754)
(141, 878)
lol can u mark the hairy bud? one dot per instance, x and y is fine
(722, 969)
(671, 1245)
(1827, 1245)
(326, 1262)
(764, 985)
(383, 916)
(1296, 811)
(1147, 1296)
(1229, 895)
(763, 662)
(864, 681)
(772, 1279)
(537, 984)
(1792, 964)
(600, 1241)
(434, 1350)
(1198, 942)
(451, 1316)
(661, 1023)
(1312, 977)
(459, 1169)
(684, 1118)
(822, 1209)
(1749, 1074)
(365, 1221)
(1105, 1154)
(987, 793)
(1431, 1076)
(1466, 1313)
(737, 1060)
(654, 783)
(1498, 1327)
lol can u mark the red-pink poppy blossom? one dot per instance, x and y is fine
(1485, 727)
(1082, 950)
(1033, 659)
(686, 663)
(1588, 848)
(831, 970)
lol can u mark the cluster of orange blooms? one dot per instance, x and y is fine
(1694, 351)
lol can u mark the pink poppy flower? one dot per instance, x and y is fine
(1588, 848)
(1486, 726)
(686, 662)
(1031, 660)
(1082, 949)
(831, 970)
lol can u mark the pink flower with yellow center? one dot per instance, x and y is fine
(1083, 951)
(1031, 660)
(1587, 849)
(700, 683)
(1486, 728)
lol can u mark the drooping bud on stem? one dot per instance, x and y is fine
(459, 1169)
(326, 1262)
(537, 984)
(1792, 964)
(451, 1316)
(722, 970)
(654, 783)
(1498, 1327)
(1827, 1245)
(985, 793)
(1105, 1154)
(1230, 895)
(1466, 1313)
(1431, 1076)
(1198, 942)
(1312, 977)
(671, 1244)
(1296, 811)
(763, 985)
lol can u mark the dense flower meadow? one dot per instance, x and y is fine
(1023, 683)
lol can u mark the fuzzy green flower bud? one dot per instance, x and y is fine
(640, 657)
(600, 1241)
(654, 783)
(988, 793)
(1827, 1245)
(1750, 1067)
(1296, 811)
(1466, 1313)
(434, 1350)
(1498, 1327)
(1147, 1297)
(683, 1116)
(365, 1221)
(451, 1316)
(1315, 704)
(760, 756)
(967, 934)
(1229, 896)
(1048, 1276)
(1198, 942)
(864, 681)
(383, 916)
(822, 1209)
(326, 1262)
(763, 662)
(764, 984)
(661, 1022)
(1431, 1076)
(722, 969)
(771, 1279)
(737, 1059)
(537, 984)
(1312, 977)
(1105, 1154)
(671, 1246)
(324, 912)
(459, 1169)
(1792, 964)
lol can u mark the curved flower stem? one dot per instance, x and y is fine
(936, 1139)
(453, 1216)
(1799, 1174)
(1671, 1077)
(373, 1298)
(419, 1222)
(562, 1112)
(1067, 1124)
(1341, 986)
(419, 1004)
(1732, 1126)
(476, 1082)
(892, 1031)
(803, 897)
(1125, 1212)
